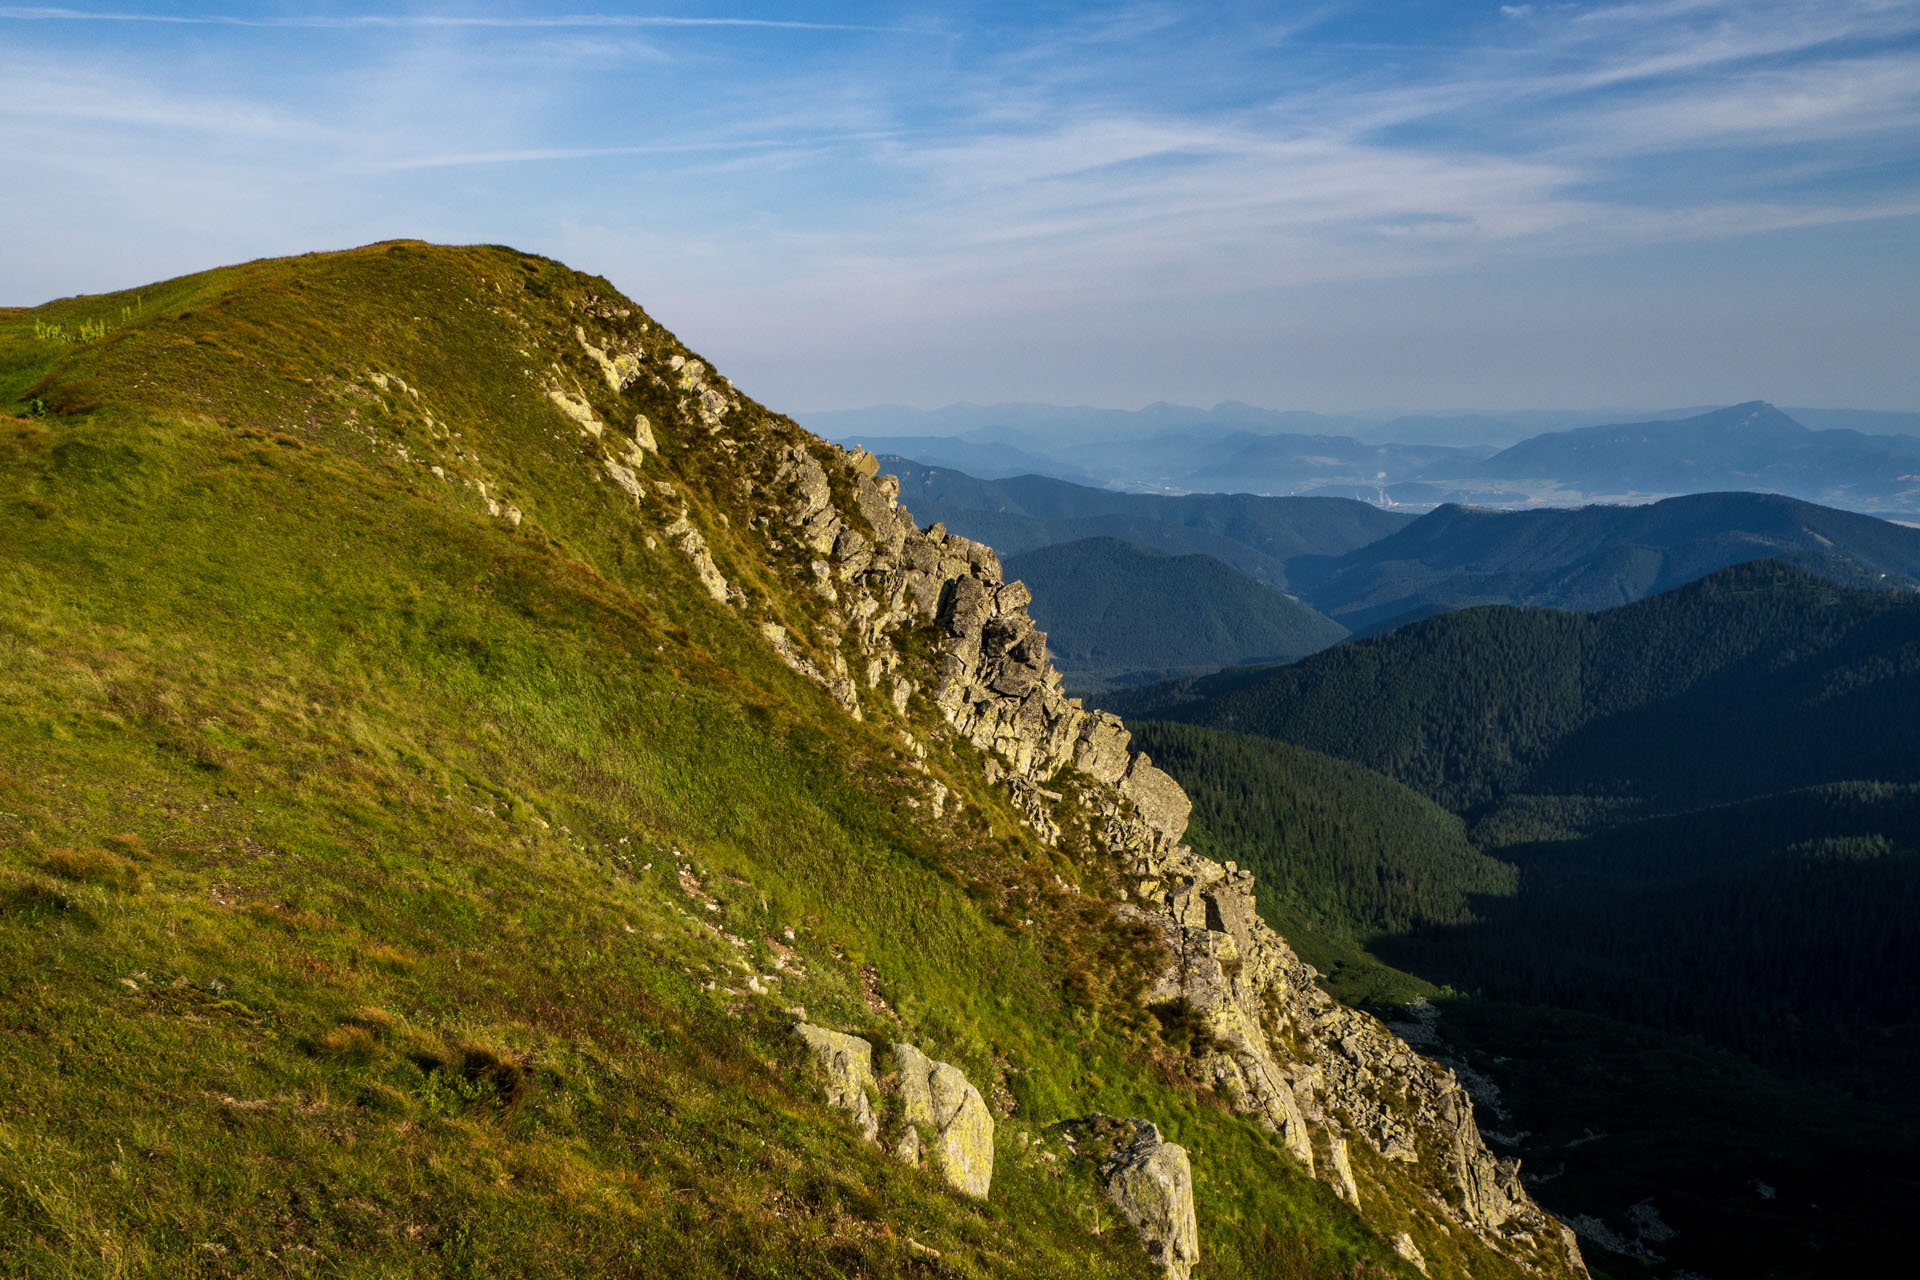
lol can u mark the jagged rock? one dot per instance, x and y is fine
(1158, 797)
(942, 1118)
(576, 408)
(1100, 751)
(846, 1065)
(935, 1096)
(1341, 1168)
(1149, 1181)
(1276, 1046)
(1404, 1246)
(688, 539)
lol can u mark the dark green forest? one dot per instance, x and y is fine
(1660, 866)
(1754, 680)
(1356, 853)
(1112, 610)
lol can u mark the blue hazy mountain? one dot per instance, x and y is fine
(1599, 556)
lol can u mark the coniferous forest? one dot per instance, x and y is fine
(1658, 868)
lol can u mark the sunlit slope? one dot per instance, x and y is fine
(394, 807)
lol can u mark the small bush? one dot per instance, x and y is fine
(349, 1044)
(127, 845)
(95, 866)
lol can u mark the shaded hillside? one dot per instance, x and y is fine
(1112, 610)
(1257, 536)
(1785, 928)
(1676, 1013)
(1597, 557)
(1355, 852)
(1681, 699)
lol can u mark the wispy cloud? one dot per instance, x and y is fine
(417, 21)
(1099, 158)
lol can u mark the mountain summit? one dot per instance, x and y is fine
(483, 796)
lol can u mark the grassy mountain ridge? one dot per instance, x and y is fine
(1111, 609)
(412, 841)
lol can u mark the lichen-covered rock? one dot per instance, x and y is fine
(1158, 797)
(689, 540)
(935, 1097)
(1276, 1046)
(845, 1064)
(1149, 1181)
(942, 1119)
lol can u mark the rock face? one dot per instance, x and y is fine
(947, 1119)
(942, 1120)
(846, 1069)
(1277, 1047)
(1149, 1182)
(918, 627)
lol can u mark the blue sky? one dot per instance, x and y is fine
(1317, 205)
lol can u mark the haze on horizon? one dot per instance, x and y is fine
(1328, 206)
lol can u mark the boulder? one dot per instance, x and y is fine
(1158, 798)
(846, 1068)
(1149, 1181)
(946, 1119)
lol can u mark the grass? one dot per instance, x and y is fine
(380, 880)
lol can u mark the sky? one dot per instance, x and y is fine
(1334, 206)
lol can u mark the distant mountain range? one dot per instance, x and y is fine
(1748, 446)
(1369, 569)
(1257, 536)
(1855, 459)
(1596, 557)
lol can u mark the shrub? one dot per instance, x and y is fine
(95, 866)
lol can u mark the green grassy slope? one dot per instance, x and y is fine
(1112, 610)
(380, 879)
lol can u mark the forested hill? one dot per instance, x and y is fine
(1111, 609)
(1256, 535)
(1354, 853)
(1684, 698)
(1599, 556)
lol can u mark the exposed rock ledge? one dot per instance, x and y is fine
(1314, 1072)
(1330, 1081)
(1149, 1182)
(938, 1116)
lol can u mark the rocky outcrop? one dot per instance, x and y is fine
(1275, 1046)
(845, 1064)
(1149, 1181)
(912, 621)
(945, 1121)
(940, 1118)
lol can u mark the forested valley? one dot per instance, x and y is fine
(1657, 869)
